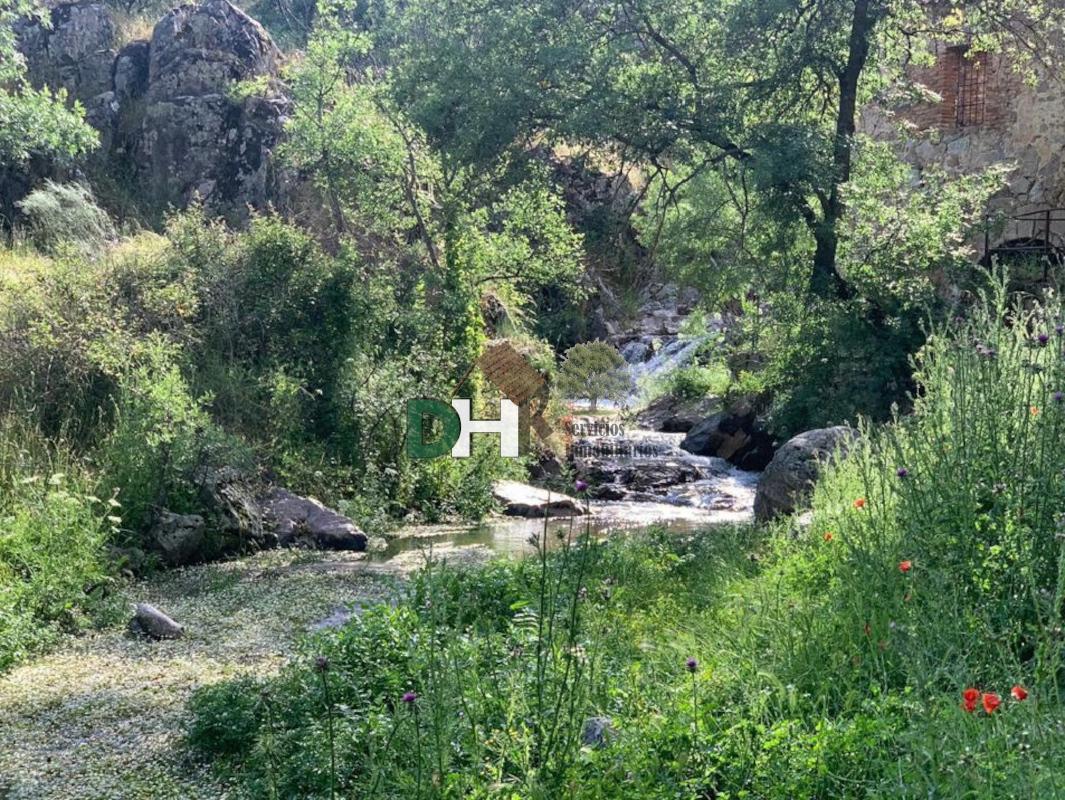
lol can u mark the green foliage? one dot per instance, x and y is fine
(596, 371)
(33, 122)
(52, 534)
(65, 214)
(696, 382)
(828, 663)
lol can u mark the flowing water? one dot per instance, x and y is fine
(723, 494)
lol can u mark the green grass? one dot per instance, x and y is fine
(828, 664)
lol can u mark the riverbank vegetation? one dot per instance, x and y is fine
(907, 642)
(442, 175)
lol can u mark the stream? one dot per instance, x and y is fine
(662, 485)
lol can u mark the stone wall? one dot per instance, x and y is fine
(1022, 126)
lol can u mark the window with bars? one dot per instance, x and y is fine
(971, 93)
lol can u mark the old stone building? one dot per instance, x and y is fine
(974, 111)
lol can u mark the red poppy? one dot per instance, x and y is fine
(1019, 692)
(905, 566)
(969, 698)
(991, 701)
(828, 536)
(859, 503)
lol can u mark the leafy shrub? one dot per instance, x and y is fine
(66, 213)
(52, 537)
(694, 382)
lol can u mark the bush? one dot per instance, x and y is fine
(66, 214)
(52, 537)
(828, 664)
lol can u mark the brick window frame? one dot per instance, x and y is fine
(964, 84)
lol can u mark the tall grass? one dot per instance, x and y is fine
(52, 538)
(739, 663)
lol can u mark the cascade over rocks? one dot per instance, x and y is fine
(168, 108)
(789, 479)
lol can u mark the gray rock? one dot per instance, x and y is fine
(129, 78)
(735, 435)
(75, 53)
(522, 500)
(179, 539)
(789, 479)
(671, 414)
(198, 140)
(304, 522)
(597, 732)
(150, 621)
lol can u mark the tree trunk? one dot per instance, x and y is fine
(825, 280)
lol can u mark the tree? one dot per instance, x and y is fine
(33, 122)
(594, 370)
(772, 86)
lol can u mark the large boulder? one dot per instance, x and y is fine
(200, 139)
(671, 414)
(304, 522)
(522, 500)
(178, 539)
(75, 53)
(789, 479)
(735, 435)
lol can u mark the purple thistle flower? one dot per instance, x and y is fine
(902, 472)
(409, 697)
(691, 664)
(1043, 339)
(1059, 397)
(580, 486)
(321, 664)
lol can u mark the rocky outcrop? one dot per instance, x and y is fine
(75, 53)
(198, 139)
(670, 414)
(178, 539)
(239, 517)
(736, 435)
(789, 479)
(522, 500)
(171, 110)
(304, 522)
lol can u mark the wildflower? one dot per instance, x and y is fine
(969, 698)
(1033, 410)
(905, 566)
(828, 536)
(902, 472)
(1059, 329)
(321, 664)
(859, 503)
(409, 697)
(691, 664)
(1043, 339)
(990, 701)
(1019, 693)
(1059, 397)
(580, 486)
